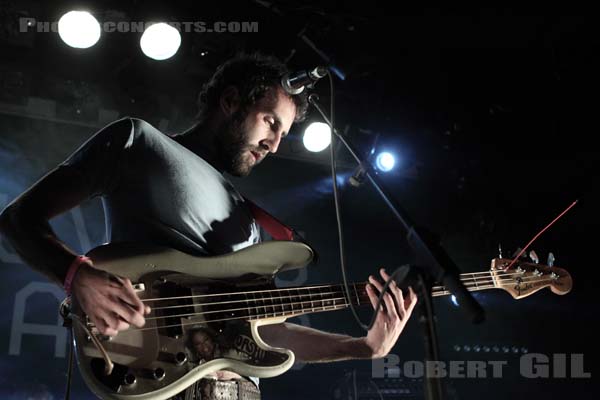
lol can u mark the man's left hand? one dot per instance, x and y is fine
(390, 321)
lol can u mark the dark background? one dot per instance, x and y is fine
(491, 112)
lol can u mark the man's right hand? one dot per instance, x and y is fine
(108, 300)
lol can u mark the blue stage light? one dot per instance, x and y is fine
(385, 161)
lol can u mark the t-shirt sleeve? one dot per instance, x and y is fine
(101, 158)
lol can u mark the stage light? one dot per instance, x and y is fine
(385, 161)
(317, 136)
(160, 41)
(79, 29)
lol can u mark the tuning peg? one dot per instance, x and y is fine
(534, 257)
(551, 259)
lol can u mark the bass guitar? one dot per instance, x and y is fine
(206, 312)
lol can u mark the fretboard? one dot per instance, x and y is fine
(293, 301)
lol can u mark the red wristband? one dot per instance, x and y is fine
(72, 270)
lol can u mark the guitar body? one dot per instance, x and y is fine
(198, 324)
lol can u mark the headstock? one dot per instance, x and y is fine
(525, 278)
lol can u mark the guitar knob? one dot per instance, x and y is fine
(158, 374)
(180, 358)
(129, 379)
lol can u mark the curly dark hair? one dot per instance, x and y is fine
(253, 74)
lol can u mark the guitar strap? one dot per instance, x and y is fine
(277, 229)
(274, 227)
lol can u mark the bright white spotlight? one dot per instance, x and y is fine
(160, 41)
(317, 136)
(79, 29)
(385, 161)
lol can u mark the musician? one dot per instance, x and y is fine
(172, 191)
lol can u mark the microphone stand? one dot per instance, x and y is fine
(357, 178)
(432, 265)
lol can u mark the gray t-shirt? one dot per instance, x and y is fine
(156, 191)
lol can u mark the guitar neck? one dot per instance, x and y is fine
(294, 301)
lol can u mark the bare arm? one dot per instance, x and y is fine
(312, 345)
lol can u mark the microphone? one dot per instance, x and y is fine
(294, 82)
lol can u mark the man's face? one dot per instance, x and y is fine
(248, 136)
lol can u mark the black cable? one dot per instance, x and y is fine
(331, 122)
(70, 366)
(65, 312)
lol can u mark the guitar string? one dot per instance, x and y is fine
(500, 275)
(267, 314)
(480, 283)
(499, 278)
(247, 308)
(260, 291)
(339, 307)
(264, 300)
(502, 278)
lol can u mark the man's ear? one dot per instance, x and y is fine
(230, 100)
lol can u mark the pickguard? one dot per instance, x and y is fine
(196, 321)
